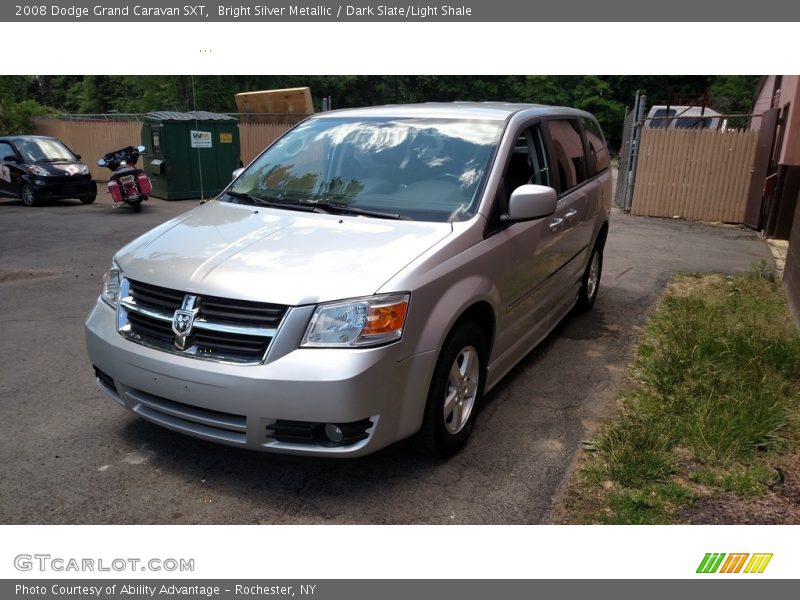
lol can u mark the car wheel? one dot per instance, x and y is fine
(88, 199)
(590, 282)
(455, 393)
(27, 195)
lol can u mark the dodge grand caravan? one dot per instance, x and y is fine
(368, 278)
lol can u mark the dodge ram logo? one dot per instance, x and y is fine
(183, 319)
(182, 322)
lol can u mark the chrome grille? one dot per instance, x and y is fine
(155, 297)
(226, 330)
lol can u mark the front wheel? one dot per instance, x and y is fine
(27, 195)
(590, 282)
(88, 199)
(455, 393)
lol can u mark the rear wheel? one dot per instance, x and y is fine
(455, 393)
(136, 206)
(27, 195)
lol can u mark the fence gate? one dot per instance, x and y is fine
(698, 174)
(754, 212)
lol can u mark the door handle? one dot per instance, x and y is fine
(570, 215)
(555, 224)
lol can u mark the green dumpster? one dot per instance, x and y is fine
(190, 154)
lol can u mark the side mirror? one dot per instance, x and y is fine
(236, 173)
(530, 202)
(78, 156)
(10, 158)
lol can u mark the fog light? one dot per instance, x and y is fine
(333, 433)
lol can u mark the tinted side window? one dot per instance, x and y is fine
(541, 174)
(692, 123)
(5, 150)
(520, 167)
(528, 162)
(598, 151)
(567, 153)
(661, 123)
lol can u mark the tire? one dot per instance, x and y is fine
(590, 282)
(88, 199)
(137, 207)
(27, 195)
(455, 393)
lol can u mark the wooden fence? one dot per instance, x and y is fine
(701, 175)
(94, 138)
(254, 137)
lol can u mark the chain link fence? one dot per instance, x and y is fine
(705, 122)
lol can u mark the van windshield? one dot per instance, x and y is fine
(420, 169)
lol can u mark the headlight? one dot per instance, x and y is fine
(111, 281)
(38, 171)
(83, 170)
(357, 323)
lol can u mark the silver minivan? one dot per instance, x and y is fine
(368, 278)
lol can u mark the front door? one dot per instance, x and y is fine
(529, 279)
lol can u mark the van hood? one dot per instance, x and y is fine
(273, 255)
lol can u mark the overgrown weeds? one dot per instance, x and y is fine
(713, 403)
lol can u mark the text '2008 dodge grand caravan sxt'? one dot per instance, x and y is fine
(367, 278)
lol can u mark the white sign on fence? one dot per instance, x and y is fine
(201, 139)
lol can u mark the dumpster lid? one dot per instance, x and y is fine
(199, 115)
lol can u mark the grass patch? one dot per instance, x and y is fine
(715, 398)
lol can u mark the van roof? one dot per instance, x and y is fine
(681, 110)
(499, 111)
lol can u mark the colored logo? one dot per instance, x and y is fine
(742, 562)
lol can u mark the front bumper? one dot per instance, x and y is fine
(48, 190)
(242, 405)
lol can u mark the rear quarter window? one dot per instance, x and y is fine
(596, 144)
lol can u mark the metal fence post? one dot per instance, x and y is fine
(626, 151)
(635, 145)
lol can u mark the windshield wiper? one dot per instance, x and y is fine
(259, 201)
(53, 160)
(335, 207)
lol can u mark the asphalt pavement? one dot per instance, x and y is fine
(69, 455)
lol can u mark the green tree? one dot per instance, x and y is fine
(733, 94)
(17, 106)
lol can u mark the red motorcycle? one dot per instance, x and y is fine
(128, 184)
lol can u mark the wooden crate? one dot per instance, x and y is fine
(290, 100)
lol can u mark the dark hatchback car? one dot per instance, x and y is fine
(37, 168)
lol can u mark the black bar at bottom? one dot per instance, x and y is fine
(731, 587)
